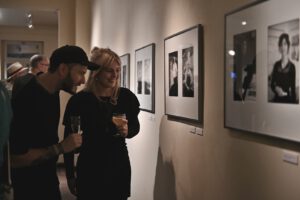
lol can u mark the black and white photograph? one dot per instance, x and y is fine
(125, 69)
(244, 66)
(147, 77)
(144, 77)
(184, 74)
(124, 76)
(261, 69)
(173, 74)
(187, 72)
(283, 44)
(139, 75)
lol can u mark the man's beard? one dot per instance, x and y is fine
(68, 85)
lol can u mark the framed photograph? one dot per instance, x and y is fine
(125, 75)
(22, 49)
(19, 51)
(183, 54)
(262, 69)
(144, 77)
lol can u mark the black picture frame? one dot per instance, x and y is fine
(256, 100)
(144, 77)
(184, 75)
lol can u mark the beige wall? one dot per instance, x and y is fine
(167, 161)
(66, 11)
(48, 35)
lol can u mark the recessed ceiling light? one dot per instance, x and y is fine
(231, 52)
(29, 20)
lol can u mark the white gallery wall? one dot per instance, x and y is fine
(168, 162)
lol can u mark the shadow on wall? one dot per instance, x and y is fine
(164, 187)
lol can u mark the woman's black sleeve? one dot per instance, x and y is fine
(133, 110)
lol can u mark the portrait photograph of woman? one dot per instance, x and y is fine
(283, 66)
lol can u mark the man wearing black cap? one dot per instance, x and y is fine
(34, 131)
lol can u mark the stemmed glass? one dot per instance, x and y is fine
(75, 124)
(117, 119)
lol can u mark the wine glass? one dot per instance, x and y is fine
(75, 124)
(117, 119)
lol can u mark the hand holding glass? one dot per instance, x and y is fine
(75, 124)
(118, 120)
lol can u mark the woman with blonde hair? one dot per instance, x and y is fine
(103, 168)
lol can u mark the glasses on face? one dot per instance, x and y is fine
(45, 64)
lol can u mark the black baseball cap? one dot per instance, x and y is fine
(71, 54)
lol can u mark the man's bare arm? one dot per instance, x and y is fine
(40, 155)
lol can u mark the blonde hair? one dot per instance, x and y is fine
(103, 57)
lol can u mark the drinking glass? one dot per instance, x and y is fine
(117, 119)
(75, 124)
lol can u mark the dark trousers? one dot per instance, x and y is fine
(106, 198)
(25, 193)
(4, 169)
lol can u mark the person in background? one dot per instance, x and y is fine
(38, 64)
(103, 168)
(5, 117)
(283, 77)
(34, 140)
(14, 71)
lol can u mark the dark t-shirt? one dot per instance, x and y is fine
(20, 82)
(34, 125)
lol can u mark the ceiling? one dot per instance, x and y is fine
(19, 17)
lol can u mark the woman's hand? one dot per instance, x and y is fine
(123, 128)
(280, 91)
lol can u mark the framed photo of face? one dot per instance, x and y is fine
(183, 54)
(144, 77)
(125, 69)
(262, 69)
